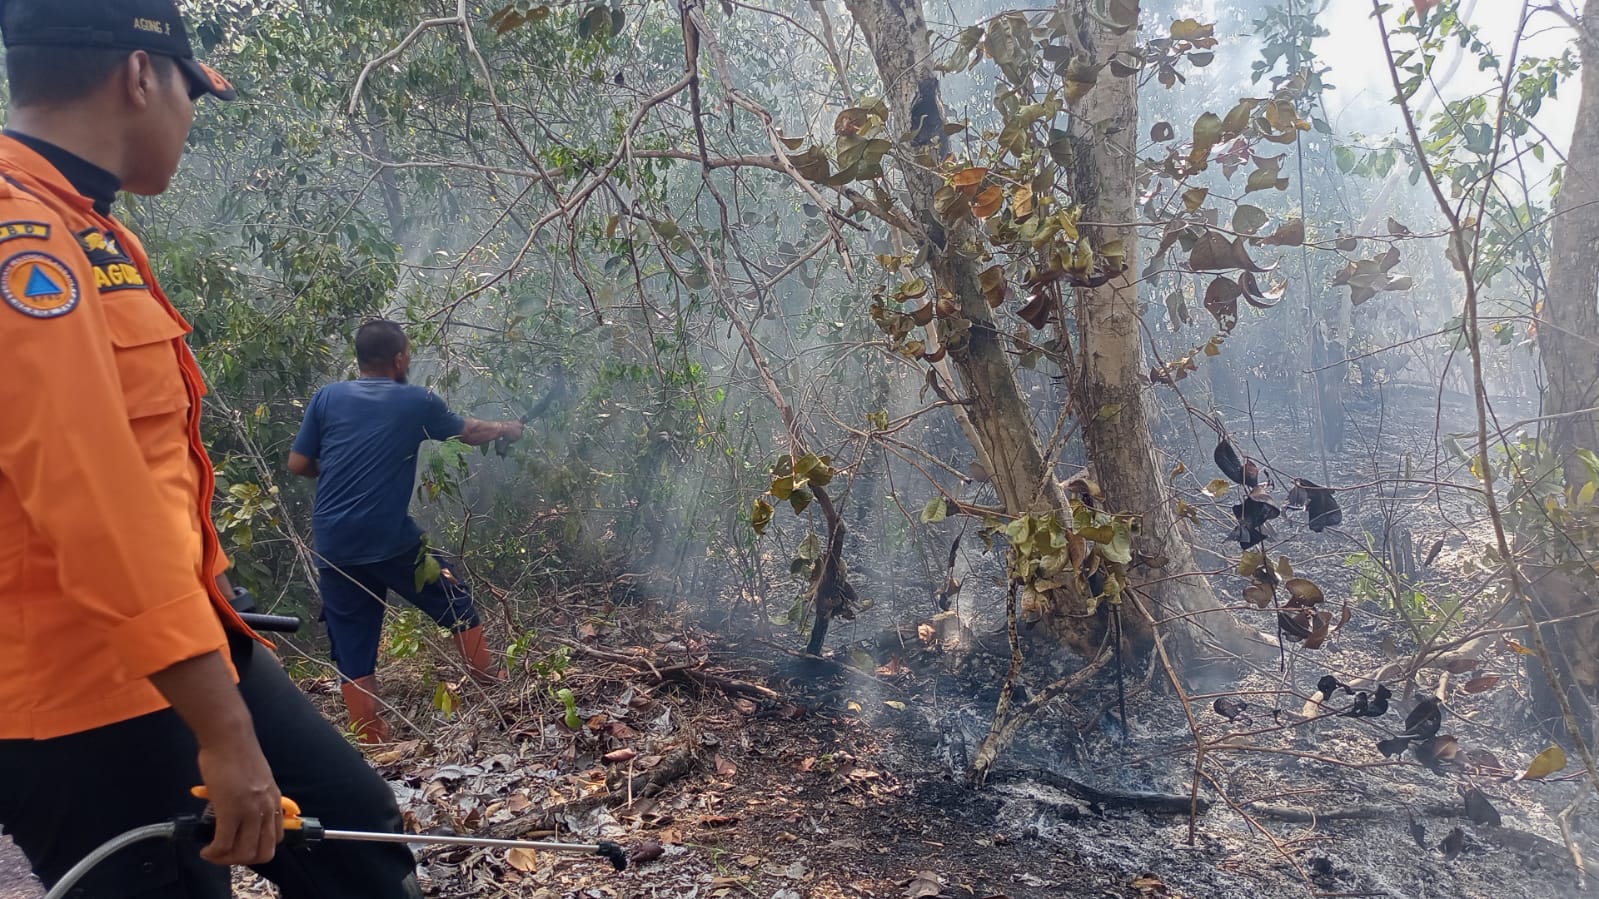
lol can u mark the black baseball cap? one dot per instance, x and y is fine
(154, 26)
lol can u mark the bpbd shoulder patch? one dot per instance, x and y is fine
(39, 285)
(14, 230)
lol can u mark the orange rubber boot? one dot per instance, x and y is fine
(474, 648)
(361, 699)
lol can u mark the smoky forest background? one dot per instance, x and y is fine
(1103, 448)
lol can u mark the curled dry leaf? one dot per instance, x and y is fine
(1320, 629)
(1481, 684)
(969, 180)
(988, 202)
(620, 756)
(1303, 593)
(1036, 312)
(1259, 595)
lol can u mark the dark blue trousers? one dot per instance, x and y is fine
(354, 598)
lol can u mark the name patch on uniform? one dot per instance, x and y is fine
(14, 230)
(113, 270)
(39, 285)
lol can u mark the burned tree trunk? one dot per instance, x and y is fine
(1568, 344)
(1113, 404)
(1120, 444)
(831, 594)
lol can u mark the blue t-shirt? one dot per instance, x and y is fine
(365, 435)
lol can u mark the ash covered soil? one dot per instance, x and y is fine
(729, 767)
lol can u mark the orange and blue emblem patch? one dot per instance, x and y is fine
(39, 285)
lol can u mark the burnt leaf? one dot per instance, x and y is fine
(1228, 707)
(1424, 720)
(1262, 298)
(1328, 685)
(1418, 833)
(1297, 497)
(1432, 554)
(1221, 301)
(1294, 626)
(1393, 747)
(1453, 844)
(1379, 702)
(1227, 460)
(1480, 810)
(1321, 505)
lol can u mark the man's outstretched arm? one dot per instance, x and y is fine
(477, 432)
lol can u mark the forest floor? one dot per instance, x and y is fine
(730, 767)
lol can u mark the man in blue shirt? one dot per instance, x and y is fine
(360, 440)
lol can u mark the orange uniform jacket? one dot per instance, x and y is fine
(108, 556)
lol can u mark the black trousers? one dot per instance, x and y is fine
(61, 798)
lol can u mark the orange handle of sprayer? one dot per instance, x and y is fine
(292, 819)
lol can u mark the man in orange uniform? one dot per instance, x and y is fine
(125, 675)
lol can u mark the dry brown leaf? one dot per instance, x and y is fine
(1481, 684)
(725, 768)
(524, 860)
(1021, 202)
(967, 181)
(923, 885)
(1304, 593)
(620, 756)
(988, 202)
(1258, 595)
(616, 730)
(1036, 312)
